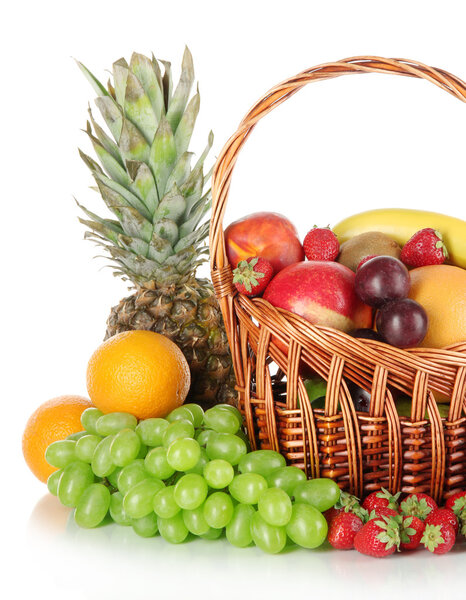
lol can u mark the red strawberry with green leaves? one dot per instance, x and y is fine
(425, 247)
(381, 499)
(462, 518)
(383, 511)
(252, 276)
(411, 532)
(418, 505)
(343, 529)
(456, 502)
(346, 503)
(438, 539)
(321, 243)
(442, 516)
(378, 537)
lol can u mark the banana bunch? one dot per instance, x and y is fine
(402, 223)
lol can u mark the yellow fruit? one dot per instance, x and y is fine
(402, 223)
(54, 420)
(139, 372)
(441, 290)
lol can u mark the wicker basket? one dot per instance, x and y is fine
(360, 451)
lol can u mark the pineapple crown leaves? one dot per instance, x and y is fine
(143, 170)
(432, 537)
(416, 508)
(390, 534)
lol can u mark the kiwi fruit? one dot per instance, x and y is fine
(367, 244)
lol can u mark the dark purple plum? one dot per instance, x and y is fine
(403, 323)
(361, 397)
(381, 279)
(368, 334)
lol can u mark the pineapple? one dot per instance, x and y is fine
(158, 238)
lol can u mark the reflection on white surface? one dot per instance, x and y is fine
(113, 561)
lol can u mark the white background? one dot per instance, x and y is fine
(337, 148)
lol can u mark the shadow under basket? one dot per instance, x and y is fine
(273, 349)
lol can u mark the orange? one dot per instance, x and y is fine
(441, 290)
(140, 372)
(54, 420)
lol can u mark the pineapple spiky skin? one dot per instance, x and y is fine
(190, 316)
(157, 236)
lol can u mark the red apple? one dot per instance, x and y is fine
(322, 292)
(265, 234)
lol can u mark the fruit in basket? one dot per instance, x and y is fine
(252, 276)
(138, 372)
(343, 530)
(156, 239)
(402, 223)
(321, 243)
(402, 323)
(380, 499)
(371, 243)
(419, 505)
(321, 292)
(426, 247)
(411, 532)
(378, 537)
(381, 279)
(53, 421)
(440, 289)
(269, 235)
(442, 516)
(438, 539)
(456, 502)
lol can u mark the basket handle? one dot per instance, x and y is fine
(223, 169)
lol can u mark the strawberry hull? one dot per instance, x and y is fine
(321, 292)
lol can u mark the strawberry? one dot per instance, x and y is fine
(365, 259)
(382, 511)
(425, 247)
(381, 499)
(321, 243)
(378, 538)
(441, 516)
(438, 539)
(252, 276)
(412, 530)
(346, 503)
(462, 518)
(456, 502)
(418, 505)
(343, 529)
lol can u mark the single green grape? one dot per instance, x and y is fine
(138, 501)
(307, 526)
(102, 463)
(203, 436)
(242, 435)
(180, 414)
(146, 526)
(190, 491)
(125, 447)
(247, 487)
(76, 477)
(222, 420)
(85, 447)
(201, 463)
(61, 453)
(93, 506)
(212, 534)
(173, 529)
(195, 521)
(269, 538)
(76, 436)
(227, 446)
(321, 493)
(176, 430)
(218, 473)
(117, 512)
(218, 510)
(89, 419)
(113, 477)
(52, 481)
(183, 454)
(131, 475)
(164, 504)
(232, 409)
(151, 431)
(156, 463)
(262, 462)
(112, 423)
(274, 506)
(238, 530)
(197, 412)
(286, 478)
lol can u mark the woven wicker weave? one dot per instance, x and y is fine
(360, 451)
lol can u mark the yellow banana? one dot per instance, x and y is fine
(402, 223)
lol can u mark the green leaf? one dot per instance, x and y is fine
(201, 159)
(194, 219)
(167, 83)
(120, 76)
(103, 138)
(130, 199)
(97, 86)
(172, 205)
(180, 97)
(144, 185)
(162, 155)
(111, 114)
(135, 245)
(180, 172)
(90, 162)
(159, 249)
(167, 229)
(185, 128)
(133, 223)
(149, 76)
(133, 144)
(111, 166)
(138, 108)
(194, 238)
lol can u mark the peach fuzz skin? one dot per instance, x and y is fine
(322, 292)
(265, 234)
